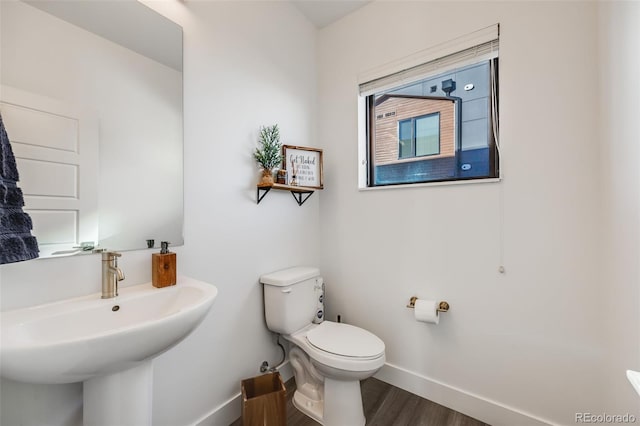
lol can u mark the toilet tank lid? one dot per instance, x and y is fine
(290, 276)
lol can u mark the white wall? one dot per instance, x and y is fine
(243, 69)
(531, 345)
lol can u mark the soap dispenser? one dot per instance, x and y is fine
(163, 267)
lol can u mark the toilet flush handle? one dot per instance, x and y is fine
(287, 290)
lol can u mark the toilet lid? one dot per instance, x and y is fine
(345, 340)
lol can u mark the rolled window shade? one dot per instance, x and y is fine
(481, 45)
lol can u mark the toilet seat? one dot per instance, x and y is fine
(367, 359)
(345, 340)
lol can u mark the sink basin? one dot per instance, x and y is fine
(81, 338)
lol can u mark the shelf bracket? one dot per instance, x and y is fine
(300, 193)
(299, 196)
(260, 197)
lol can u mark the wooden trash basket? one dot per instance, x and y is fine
(264, 401)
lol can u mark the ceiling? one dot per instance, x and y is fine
(324, 12)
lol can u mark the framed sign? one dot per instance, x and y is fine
(303, 165)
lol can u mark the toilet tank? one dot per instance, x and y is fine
(290, 299)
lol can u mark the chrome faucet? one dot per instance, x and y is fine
(111, 274)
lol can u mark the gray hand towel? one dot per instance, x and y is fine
(16, 241)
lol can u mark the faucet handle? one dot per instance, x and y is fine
(110, 255)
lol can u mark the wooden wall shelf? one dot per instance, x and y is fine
(300, 193)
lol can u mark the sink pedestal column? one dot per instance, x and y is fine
(123, 398)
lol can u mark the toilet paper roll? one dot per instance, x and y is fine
(426, 311)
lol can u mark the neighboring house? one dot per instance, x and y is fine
(409, 128)
(415, 129)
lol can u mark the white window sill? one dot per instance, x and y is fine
(427, 184)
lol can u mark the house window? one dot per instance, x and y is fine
(419, 136)
(434, 122)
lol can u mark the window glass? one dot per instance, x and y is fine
(439, 128)
(405, 136)
(428, 135)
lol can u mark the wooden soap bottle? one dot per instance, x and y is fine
(163, 267)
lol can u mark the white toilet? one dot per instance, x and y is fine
(329, 359)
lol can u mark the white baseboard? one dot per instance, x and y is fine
(483, 409)
(230, 411)
(227, 413)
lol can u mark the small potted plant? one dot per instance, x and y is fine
(269, 154)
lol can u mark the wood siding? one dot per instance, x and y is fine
(395, 109)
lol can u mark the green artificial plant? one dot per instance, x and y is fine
(269, 153)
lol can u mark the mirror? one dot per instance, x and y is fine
(92, 102)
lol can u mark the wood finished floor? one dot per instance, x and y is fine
(386, 405)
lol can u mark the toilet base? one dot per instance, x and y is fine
(342, 403)
(308, 406)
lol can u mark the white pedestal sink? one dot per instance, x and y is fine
(108, 344)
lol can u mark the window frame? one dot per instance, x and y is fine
(414, 147)
(492, 139)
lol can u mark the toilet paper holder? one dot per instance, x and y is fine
(442, 306)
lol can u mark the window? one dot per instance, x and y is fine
(435, 121)
(419, 136)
